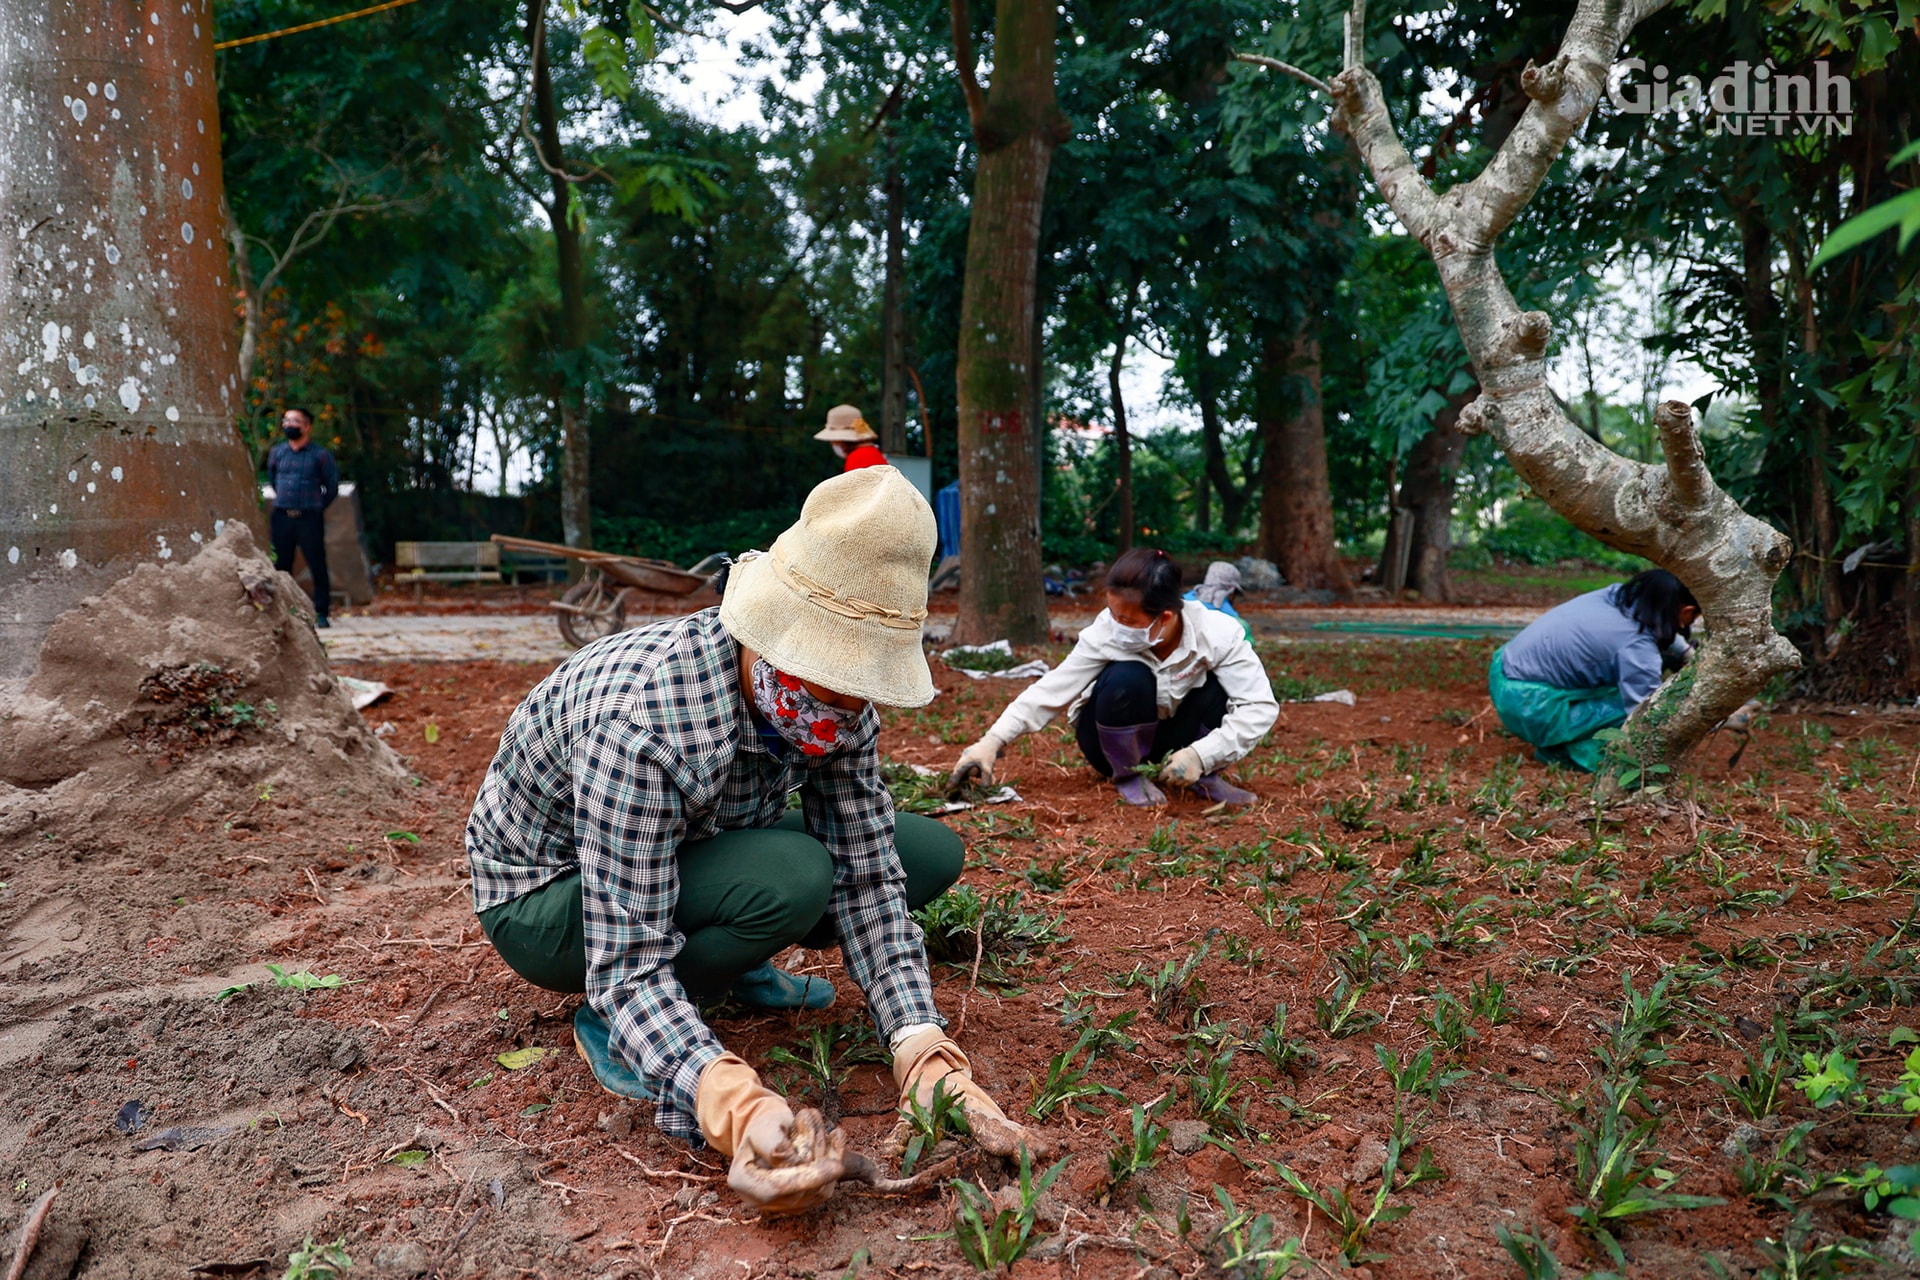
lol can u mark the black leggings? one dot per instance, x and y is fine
(1126, 693)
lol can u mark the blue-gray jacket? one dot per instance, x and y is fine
(1586, 643)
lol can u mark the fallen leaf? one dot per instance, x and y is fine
(518, 1059)
(534, 1110)
(433, 733)
(409, 1159)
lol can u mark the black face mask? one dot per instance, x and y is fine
(293, 430)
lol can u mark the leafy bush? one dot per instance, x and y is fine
(1531, 532)
(685, 544)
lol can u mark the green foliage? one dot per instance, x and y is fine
(1829, 1081)
(943, 1114)
(990, 1237)
(301, 981)
(319, 1261)
(1139, 1151)
(960, 924)
(1619, 1172)
(1530, 1252)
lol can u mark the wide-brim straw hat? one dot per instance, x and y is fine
(845, 424)
(841, 597)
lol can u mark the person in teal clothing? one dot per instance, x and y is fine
(1583, 666)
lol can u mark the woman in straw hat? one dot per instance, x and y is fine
(633, 839)
(851, 438)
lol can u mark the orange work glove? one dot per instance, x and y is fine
(927, 1058)
(754, 1126)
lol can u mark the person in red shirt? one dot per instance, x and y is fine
(851, 438)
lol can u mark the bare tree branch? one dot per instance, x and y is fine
(1287, 68)
(1686, 464)
(963, 56)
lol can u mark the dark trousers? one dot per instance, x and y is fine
(1126, 693)
(306, 531)
(745, 896)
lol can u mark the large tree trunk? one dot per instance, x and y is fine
(1420, 535)
(576, 511)
(1122, 443)
(116, 411)
(1213, 454)
(1673, 514)
(1016, 126)
(1296, 499)
(893, 321)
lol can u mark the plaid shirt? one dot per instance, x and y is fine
(642, 741)
(305, 479)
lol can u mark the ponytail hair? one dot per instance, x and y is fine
(1150, 575)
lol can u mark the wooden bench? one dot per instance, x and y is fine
(422, 562)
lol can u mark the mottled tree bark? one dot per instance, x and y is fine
(1673, 514)
(118, 384)
(1429, 481)
(1016, 125)
(1296, 500)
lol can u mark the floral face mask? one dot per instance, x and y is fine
(796, 715)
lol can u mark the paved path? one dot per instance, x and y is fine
(461, 637)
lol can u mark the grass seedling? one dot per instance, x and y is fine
(992, 1238)
(1756, 1090)
(960, 924)
(1620, 1174)
(1488, 1001)
(1351, 1222)
(1213, 1091)
(1141, 1150)
(1281, 1050)
(927, 1125)
(1175, 991)
(1243, 1244)
(1530, 1252)
(1067, 1084)
(1448, 1019)
(1764, 1177)
(1338, 1013)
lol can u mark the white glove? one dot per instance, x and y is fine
(1183, 768)
(976, 761)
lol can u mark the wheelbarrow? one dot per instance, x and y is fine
(596, 606)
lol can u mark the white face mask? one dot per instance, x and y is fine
(1133, 639)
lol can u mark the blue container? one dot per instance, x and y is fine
(946, 516)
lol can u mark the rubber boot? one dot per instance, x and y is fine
(593, 1040)
(1125, 748)
(1220, 791)
(771, 988)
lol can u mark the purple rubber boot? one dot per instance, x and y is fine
(1125, 748)
(1220, 791)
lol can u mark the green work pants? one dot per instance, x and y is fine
(745, 896)
(1559, 723)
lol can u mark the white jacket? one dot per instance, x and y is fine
(1210, 641)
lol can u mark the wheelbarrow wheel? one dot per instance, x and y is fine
(595, 612)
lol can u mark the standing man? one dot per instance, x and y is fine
(852, 439)
(305, 482)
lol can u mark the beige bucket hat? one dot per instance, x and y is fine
(841, 597)
(844, 423)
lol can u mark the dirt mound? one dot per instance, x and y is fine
(200, 682)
